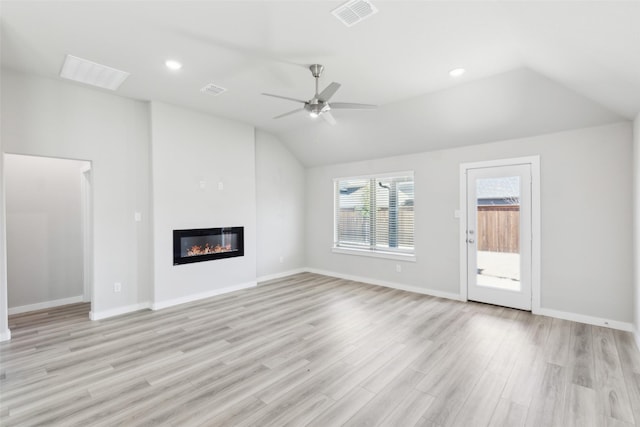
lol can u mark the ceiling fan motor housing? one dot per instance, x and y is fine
(316, 70)
(317, 107)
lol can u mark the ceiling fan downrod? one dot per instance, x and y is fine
(316, 71)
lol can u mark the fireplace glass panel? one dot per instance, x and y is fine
(207, 244)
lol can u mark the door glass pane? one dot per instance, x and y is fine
(498, 232)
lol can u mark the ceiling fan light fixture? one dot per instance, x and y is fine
(313, 114)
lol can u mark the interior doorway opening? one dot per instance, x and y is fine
(49, 232)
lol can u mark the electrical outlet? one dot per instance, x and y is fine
(398, 268)
(117, 287)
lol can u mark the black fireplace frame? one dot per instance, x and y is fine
(178, 259)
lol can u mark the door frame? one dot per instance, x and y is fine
(534, 162)
(87, 231)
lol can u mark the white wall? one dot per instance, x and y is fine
(44, 229)
(5, 333)
(586, 217)
(189, 148)
(636, 222)
(280, 191)
(53, 118)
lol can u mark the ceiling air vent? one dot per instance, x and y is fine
(92, 73)
(354, 11)
(212, 89)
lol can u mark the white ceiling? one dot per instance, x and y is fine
(532, 67)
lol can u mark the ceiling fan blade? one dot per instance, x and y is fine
(290, 112)
(328, 91)
(285, 97)
(328, 117)
(353, 106)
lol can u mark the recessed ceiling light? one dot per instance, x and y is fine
(173, 65)
(92, 73)
(457, 72)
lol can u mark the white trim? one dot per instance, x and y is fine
(98, 315)
(375, 254)
(377, 175)
(280, 275)
(87, 230)
(202, 295)
(636, 335)
(5, 336)
(536, 230)
(45, 304)
(463, 231)
(386, 284)
(589, 320)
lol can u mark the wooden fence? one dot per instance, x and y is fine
(353, 225)
(498, 229)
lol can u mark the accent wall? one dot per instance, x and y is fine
(203, 176)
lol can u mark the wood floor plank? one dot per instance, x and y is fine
(343, 409)
(410, 409)
(580, 407)
(610, 385)
(315, 350)
(581, 362)
(482, 402)
(386, 401)
(509, 414)
(547, 405)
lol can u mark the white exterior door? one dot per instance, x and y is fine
(498, 235)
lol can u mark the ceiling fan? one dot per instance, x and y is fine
(319, 104)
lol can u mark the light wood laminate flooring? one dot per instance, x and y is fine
(318, 351)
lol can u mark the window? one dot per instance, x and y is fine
(375, 213)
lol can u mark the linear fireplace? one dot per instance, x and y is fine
(205, 244)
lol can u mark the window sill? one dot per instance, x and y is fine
(375, 254)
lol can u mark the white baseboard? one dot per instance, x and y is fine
(98, 315)
(400, 286)
(202, 295)
(274, 276)
(5, 335)
(46, 304)
(589, 320)
(581, 318)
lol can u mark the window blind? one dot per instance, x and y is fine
(375, 213)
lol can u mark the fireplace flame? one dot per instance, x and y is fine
(207, 249)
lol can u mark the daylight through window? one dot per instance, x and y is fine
(375, 213)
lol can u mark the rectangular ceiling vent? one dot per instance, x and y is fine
(354, 11)
(92, 73)
(212, 89)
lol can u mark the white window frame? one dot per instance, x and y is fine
(399, 254)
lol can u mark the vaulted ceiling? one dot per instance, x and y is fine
(532, 67)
